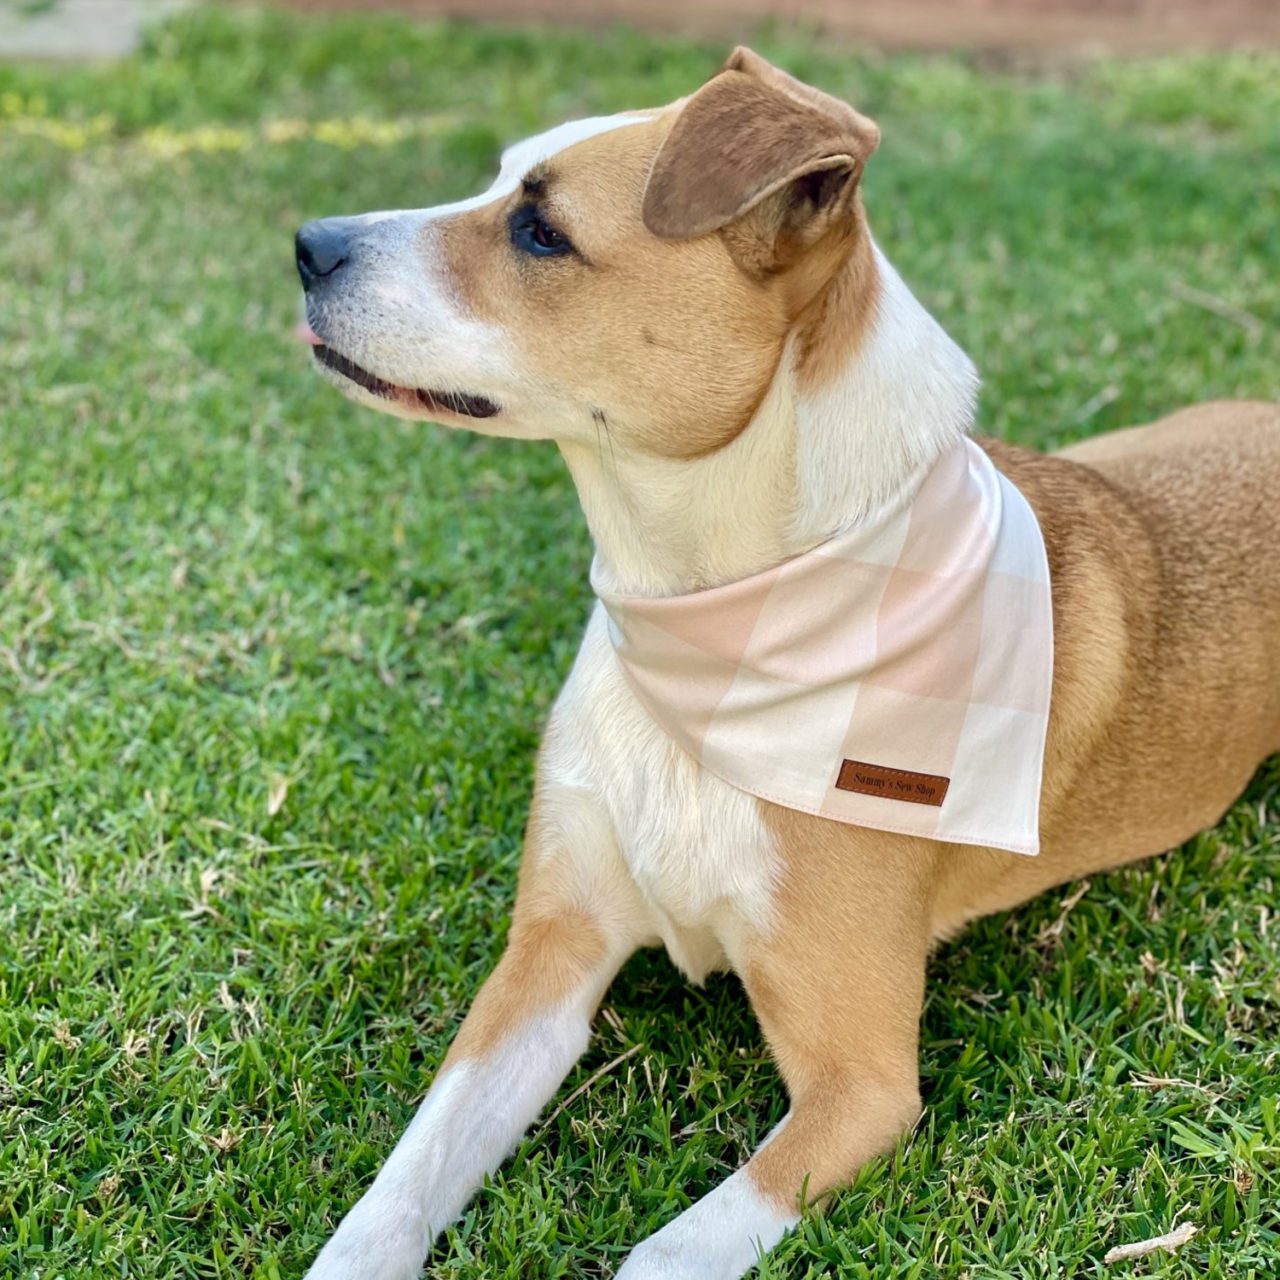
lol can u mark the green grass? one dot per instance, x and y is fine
(216, 578)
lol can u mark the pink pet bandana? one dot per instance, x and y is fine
(896, 677)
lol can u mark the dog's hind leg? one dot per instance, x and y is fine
(575, 922)
(837, 982)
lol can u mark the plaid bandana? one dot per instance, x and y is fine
(895, 677)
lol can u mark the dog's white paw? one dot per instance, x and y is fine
(373, 1242)
(721, 1237)
(652, 1261)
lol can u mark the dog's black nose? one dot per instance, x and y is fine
(322, 247)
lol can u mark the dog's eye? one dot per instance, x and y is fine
(531, 233)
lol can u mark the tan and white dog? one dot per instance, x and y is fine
(689, 302)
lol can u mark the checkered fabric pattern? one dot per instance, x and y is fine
(895, 677)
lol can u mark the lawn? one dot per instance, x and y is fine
(272, 671)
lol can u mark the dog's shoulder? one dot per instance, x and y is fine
(1094, 534)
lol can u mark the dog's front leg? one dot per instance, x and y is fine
(574, 924)
(837, 982)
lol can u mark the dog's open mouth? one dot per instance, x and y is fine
(468, 406)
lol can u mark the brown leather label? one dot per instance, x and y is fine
(892, 784)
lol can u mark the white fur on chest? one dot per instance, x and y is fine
(697, 849)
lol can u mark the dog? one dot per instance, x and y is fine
(689, 302)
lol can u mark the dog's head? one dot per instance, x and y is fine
(640, 271)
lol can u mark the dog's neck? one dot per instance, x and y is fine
(813, 461)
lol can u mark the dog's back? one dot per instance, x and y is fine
(1206, 484)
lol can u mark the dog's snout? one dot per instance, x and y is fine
(322, 247)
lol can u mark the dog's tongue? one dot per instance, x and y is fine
(307, 334)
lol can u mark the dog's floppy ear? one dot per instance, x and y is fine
(755, 140)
